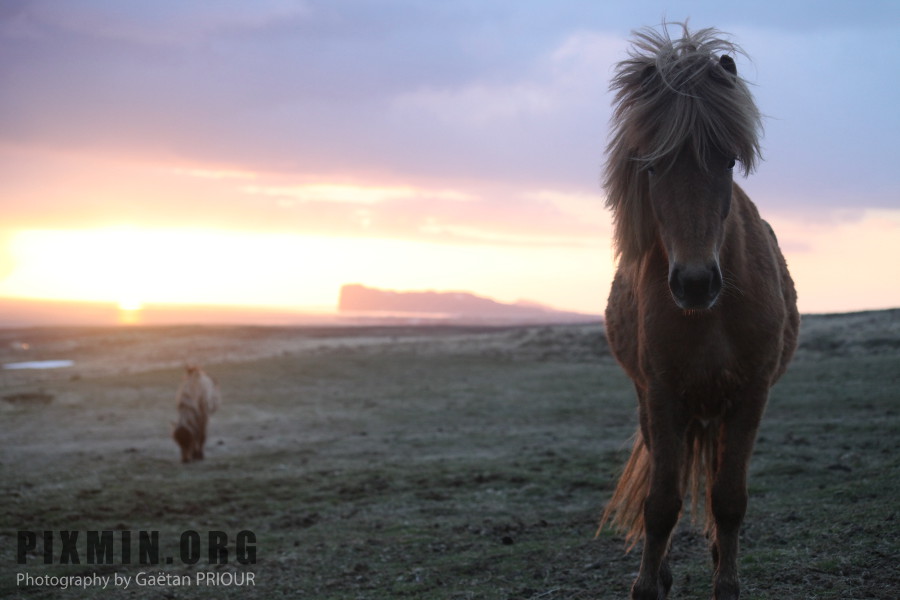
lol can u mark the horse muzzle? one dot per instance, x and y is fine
(695, 287)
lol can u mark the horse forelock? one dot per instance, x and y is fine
(671, 94)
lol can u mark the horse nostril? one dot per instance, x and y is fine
(695, 287)
(675, 282)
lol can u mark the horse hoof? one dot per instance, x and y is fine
(665, 580)
(659, 592)
(727, 591)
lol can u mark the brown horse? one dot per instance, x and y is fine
(702, 312)
(198, 397)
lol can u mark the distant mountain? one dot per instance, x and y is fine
(452, 306)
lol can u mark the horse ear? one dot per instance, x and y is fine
(728, 64)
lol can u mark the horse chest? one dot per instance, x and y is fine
(696, 360)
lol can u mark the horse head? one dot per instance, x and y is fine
(690, 203)
(682, 120)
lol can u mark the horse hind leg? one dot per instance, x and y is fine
(201, 441)
(185, 442)
(729, 505)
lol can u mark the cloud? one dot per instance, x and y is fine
(391, 107)
(160, 24)
(465, 124)
(496, 92)
(214, 173)
(328, 192)
(331, 87)
(486, 217)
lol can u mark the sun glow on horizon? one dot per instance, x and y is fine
(838, 265)
(133, 267)
(130, 304)
(130, 313)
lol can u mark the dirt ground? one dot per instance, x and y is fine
(445, 463)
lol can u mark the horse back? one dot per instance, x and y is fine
(199, 392)
(210, 392)
(764, 299)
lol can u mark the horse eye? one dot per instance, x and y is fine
(731, 164)
(651, 170)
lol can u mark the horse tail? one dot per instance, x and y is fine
(698, 468)
(625, 510)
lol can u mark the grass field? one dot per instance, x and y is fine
(444, 463)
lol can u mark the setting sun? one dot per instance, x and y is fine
(130, 312)
(130, 304)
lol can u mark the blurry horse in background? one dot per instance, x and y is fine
(198, 398)
(702, 312)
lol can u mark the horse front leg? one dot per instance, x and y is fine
(729, 490)
(661, 510)
(664, 433)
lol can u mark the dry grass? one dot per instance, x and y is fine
(447, 463)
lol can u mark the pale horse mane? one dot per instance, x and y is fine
(670, 94)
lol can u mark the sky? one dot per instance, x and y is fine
(265, 153)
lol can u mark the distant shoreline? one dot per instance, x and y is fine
(21, 313)
(18, 313)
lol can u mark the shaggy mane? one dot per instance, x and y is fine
(671, 94)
